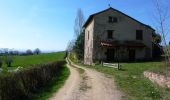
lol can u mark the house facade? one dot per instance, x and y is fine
(111, 35)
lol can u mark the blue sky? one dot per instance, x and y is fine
(48, 24)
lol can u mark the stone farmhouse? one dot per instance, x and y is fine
(111, 35)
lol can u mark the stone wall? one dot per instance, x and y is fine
(124, 30)
(88, 47)
(161, 80)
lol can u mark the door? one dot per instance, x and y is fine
(110, 55)
(132, 54)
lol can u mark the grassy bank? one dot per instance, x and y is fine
(53, 86)
(132, 82)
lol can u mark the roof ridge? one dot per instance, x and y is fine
(91, 17)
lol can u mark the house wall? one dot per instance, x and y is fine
(88, 49)
(125, 29)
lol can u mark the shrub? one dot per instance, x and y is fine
(21, 85)
(66, 54)
(73, 57)
(1, 62)
(8, 60)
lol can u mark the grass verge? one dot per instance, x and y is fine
(132, 82)
(53, 86)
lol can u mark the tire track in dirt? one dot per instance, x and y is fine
(87, 84)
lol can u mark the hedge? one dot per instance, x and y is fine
(20, 85)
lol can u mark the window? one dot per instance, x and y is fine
(110, 19)
(113, 19)
(139, 34)
(110, 34)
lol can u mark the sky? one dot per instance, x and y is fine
(48, 24)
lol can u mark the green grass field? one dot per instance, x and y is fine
(25, 61)
(53, 85)
(132, 82)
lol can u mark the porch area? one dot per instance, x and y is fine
(123, 51)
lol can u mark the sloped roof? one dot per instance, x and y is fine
(91, 17)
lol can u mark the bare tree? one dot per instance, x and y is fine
(79, 21)
(70, 45)
(161, 18)
(78, 47)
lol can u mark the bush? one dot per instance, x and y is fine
(21, 85)
(8, 60)
(1, 62)
(73, 57)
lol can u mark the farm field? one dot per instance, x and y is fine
(25, 61)
(55, 73)
(132, 82)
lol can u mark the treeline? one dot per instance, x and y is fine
(23, 84)
(6, 55)
(16, 52)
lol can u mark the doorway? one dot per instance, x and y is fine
(132, 54)
(110, 55)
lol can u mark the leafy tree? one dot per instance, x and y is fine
(37, 51)
(1, 62)
(79, 46)
(8, 60)
(29, 52)
(16, 52)
(5, 50)
(157, 38)
(11, 52)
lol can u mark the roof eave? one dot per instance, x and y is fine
(88, 21)
(91, 17)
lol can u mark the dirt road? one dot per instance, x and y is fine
(87, 85)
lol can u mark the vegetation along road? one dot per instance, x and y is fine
(87, 84)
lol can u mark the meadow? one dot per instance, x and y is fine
(28, 60)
